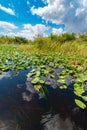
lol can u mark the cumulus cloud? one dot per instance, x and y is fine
(31, 31)
(28, 31)
(37, 29)
(72, 13)
(7, 26)
(58, 31)
(53, 12)
(7, 10)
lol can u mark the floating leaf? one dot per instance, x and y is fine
(44, 72)
(37, 73)
(81, 78)
(62, 81)
(42, 66)
(78, 93)
(63, 87)
(78, 80)
(41, 81)
(79, 68)
(37, 87)
(32, 73)
(80, 104)
(37, 80)
(52, 76)
(78, 89)
(61, 77)
(84, 97)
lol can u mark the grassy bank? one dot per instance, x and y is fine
(65, 48)
(63, 44)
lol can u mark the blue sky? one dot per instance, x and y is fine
(28, 18)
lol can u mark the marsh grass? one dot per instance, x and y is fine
(64, 48)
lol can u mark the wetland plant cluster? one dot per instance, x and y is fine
(44, 70)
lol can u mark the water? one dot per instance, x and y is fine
(22, 108)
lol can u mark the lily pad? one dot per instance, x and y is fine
(78, 89)
(80, 104)
(63, 87)
(84, 98)
(62, 81)
(37, 80)
(37, 87)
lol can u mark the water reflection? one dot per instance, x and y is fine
(57, 123)
(5, 75)
(23, 108)
(19, 104)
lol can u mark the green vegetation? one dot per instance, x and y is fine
(15, 40)
(46, 54)
(80, 104)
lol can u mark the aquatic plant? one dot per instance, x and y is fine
(44, 65)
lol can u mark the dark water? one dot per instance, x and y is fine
(22, 108)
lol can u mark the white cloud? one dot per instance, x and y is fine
(58, 31)
(79, 11)
(5, 75)
(52, 12)
(7, 10)
(72, 13)
(7, 26)
(28, 31)
(38, 28)
(83, 2)
(31, 31)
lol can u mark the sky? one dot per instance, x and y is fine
(30, 18)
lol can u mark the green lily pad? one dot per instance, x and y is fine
(78, 89)
(63, 87)
(44, 72)
(37, 87)
(81, 78)
(80, 104)
(41, 81)
(78, 93)
(84, 98)
(37, 73)
(61, 77)
(52, 76)
(37, 80)
(62, 81)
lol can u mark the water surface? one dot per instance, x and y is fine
(22, 108)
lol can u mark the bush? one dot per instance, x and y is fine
(67, 37)
(83, 37)
(21, 40)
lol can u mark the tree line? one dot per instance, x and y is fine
(65, 37)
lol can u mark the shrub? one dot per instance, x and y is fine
(20, 40)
